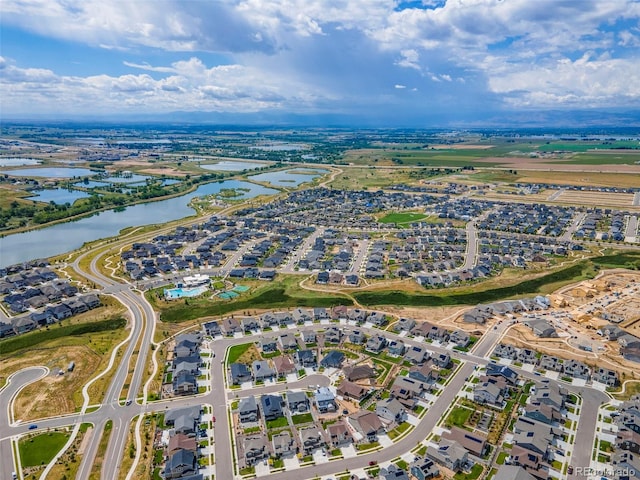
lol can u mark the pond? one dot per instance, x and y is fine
(17, 161)
(133, 178)
(63, 237)
(50, 172)
(289, 178)
(233, 166)
(58, 196)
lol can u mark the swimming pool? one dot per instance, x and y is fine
(174, 293)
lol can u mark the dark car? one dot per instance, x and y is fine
(33, 426)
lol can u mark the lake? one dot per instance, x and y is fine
(64, 237)
(58, 196)
(233, 166)
(287, 178)
(18, 161)
(50, 172)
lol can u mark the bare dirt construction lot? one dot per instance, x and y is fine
(54, 394)
(623, 200)
(612, 294)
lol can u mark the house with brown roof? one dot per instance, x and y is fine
(475, 443)
(367, 424)
(349, 389)
(181, 441)
(339, 434)
(283, 365)
(359, 372)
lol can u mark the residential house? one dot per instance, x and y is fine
(261, 370)
(393, 472)
(425, 373)
(357, 337)
(391, 410)
(396, 347)
(248, 410)
(359, 372)
(256, 449)
(325, 400)
(488, 393)
(375, 344)
(308, 336)
(607, 376)
(180, 464)
(404, 324)
(240, 373)
(271, 406)
(283, 444)
(551, 363)
(460, 338)
(450, 454)
(298, 402)
(268, 345)
(283, 365)
(332, 335)
(230, 326)
(503, 371)
(287, 342)
(424, 469)
(367, 424)
(475, 443)
(352, 390)
(306, 358)
(416, 354)
(442, 360)
(505, 351)
(333, 359)
(576, 369)
(339, 434)
(311, 439)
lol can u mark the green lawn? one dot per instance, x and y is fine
(31, 339)
(237, 351)
(579, 271)
(403, 217)
(277, 423)
(472, 475)
(300, 419)
(459, 416)
(40, 449)
(501, 458)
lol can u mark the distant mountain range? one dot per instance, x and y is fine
(475, 120)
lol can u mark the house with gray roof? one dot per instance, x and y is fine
(283, 444)
(261, 370)
(311, 439)
(449, 454)
(240, 373)
(576, 369)
(298, 402)
(248, 410)
(375, 344)
(325, 400)
(271, 406)
(256, 449)
(391, 410)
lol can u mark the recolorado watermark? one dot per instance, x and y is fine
(604, 472)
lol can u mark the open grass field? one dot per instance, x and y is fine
(403, 217)
(472, 296)
(40, 449)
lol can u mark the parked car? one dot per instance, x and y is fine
(33, 426)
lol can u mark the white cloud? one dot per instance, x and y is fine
(397, 86)
(191, 86)
(585, 82)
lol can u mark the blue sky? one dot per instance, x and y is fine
(415, 59)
